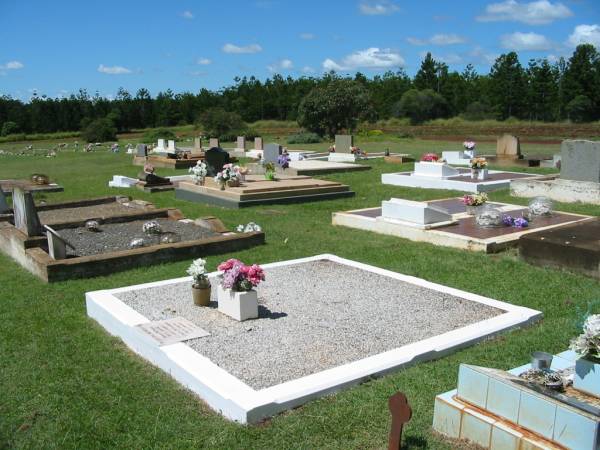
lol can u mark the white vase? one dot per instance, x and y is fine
(238, 305)
(483, 174)
(587, 376)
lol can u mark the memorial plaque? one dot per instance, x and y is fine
(3, 204)
(258, 143)
(343, 143)
(25, 215)
(171, 331)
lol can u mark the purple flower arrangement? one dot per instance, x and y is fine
(240, 277)
(283, 160)
(517, 222)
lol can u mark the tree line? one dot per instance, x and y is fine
(567, 89)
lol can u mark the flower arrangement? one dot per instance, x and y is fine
(475, 199)
(430, 157)
(587, 344)
(283, 160)
(269, 171)
(199, 171)
(478, 163)
(229, 172)
(197, 271)
(248, 228)
(152, 227)
(237, 276)
(469, 145)
(517, 222)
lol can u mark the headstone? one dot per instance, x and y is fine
(271, 153)
(508, 146)
(25, 215)
(171, 331)
(3, 204)
(161, 145)
(580, 160)
(215, 159)
(258, 143)
(434, 169)
(142, 150)
(171, 148)
(197, 144)
(57, 245)
(401, 414)
(420, 213)
(344, 143)
(214, 142)
(241, 143)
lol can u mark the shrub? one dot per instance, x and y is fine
(9, 128)
(216, 122)
(231, 136)
(159, 133)
(100, 130)
(421, 105)
(477, 111)
(304, 138)
(580, 109)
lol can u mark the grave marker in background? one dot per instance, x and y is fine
(241, 143)
(508, 146)
(271, 153)
(171, 144)
(214, 142)
(142, 150)
(580, 160)
(161, 145)
(215, 159)
(197, 144)
(25, 215)
(344, 143)
(258, 143)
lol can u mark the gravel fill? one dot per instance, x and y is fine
(85, 212)
(117, 236)
(313, 316)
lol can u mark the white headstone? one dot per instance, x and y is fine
(416, 212)
(3, 204)
(25, 215)
(258, 143)
(171, 147)
(57, 246)
(161, 145)
(435, 170)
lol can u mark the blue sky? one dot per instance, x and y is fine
(57, 47)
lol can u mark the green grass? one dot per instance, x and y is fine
(65, 383)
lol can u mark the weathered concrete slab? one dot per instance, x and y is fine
(566, 191)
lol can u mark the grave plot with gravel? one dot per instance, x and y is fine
(324, 322)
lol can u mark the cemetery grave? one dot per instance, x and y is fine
(8, 185)
(579, 179)
(101, 245)
(447, 222)
(256, 190)
(169, 157)
(341, 323)
(508, 153)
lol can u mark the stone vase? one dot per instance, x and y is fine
(238, 305)
(201, 295)
(587, 376)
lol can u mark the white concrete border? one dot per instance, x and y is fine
(415, 181)
(238, 401)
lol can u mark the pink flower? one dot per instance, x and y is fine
(227, 265)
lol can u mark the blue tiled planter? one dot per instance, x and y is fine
(587, 376)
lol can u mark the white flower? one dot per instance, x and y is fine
(248, 228)
(197, 270)
(199, 171)
(151, 227)
(588, 343)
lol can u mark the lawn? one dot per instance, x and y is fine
(65, 383)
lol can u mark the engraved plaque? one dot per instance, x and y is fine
(171, 331)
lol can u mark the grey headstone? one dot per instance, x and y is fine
(197, 144)
(25, 215)
(241, 142)
(343, 143)
(215, 159)
(271, 153)
(142, 150)
(3, 204)
(580, 160)
(258, 143)
(508, 145)
(214, 142)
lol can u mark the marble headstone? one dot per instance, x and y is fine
(241, 143)
(271, 153)
(3, 204)
(25, 215)
(171, 147)
(258, 143)
(508, 146)
(142, 150)
(161, 145)
(580, 160)
(343, 143)
(214, 142)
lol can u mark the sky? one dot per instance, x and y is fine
(57, 47)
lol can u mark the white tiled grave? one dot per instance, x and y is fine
(324, 323)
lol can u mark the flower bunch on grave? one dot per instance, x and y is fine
(283, 160)
(357, 151)
(152, 227)
(237, 276)
(469, 145)
(430, 157)
(248, 228)
(517, 222)
(269, 171)
(199, 171)
(478, 163)
(197, 271)
(475, 199)
(587, 344)
(229, 172)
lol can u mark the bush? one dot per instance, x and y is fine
(421, 105)
(580, 109)
(100, 130)
(216, 122)
(304, 138)
(248, 133)
(159, 133)
(477, 111)
(9, 128)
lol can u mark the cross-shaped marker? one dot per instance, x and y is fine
(401, 414)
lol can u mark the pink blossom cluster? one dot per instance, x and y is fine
(430, 157)
(240, 277)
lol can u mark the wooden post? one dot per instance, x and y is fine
(401, 414)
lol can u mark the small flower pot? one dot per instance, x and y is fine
(238, 305)
(201, 295)
(482, 174)
(587, 376)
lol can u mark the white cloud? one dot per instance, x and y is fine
(538, 12)
(307, 36)
(308, 69)
(526, 41)
(585, 34)
(113, 70)
(377, 8)
(187, 15)
(438, 39)
(203, 61)
(252, 48)
(450, 58)
(12, 65)
(479, 56)
(370, 58)
(281, 65)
